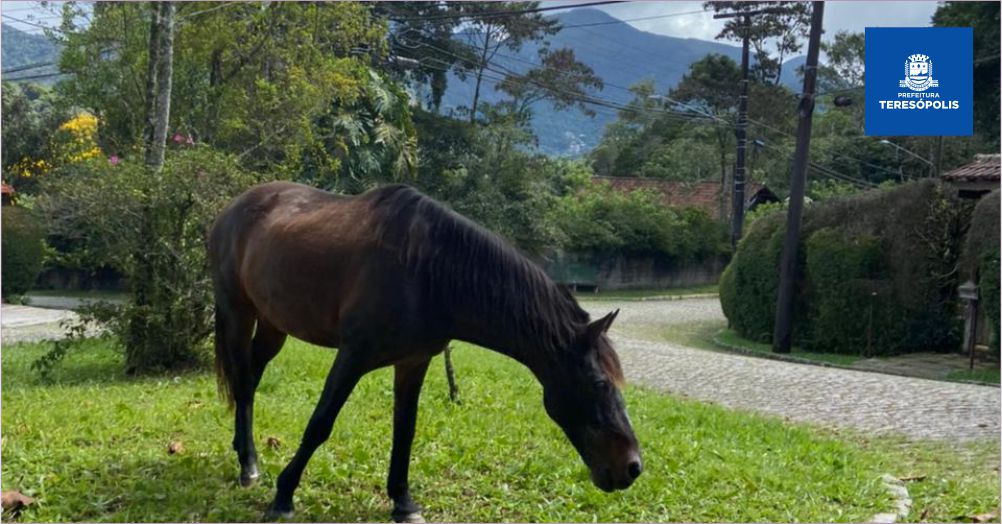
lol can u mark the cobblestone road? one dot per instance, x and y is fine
(872, 402)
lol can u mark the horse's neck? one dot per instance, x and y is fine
(529, 340)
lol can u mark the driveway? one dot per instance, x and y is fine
(871, 402)
(30, 324)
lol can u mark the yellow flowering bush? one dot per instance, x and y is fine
(76, 140)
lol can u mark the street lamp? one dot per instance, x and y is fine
(895, 146)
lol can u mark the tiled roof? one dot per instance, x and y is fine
(704, 195)
(7, 189)
(985, 168)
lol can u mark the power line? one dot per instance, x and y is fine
(613, 22)
(27, 67)
(445, 16)
(28, 22)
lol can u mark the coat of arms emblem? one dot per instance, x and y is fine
(918, 73)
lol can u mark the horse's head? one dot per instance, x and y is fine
(581, 394)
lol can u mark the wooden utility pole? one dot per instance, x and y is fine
(781, 338)
(741, 126)
(158, 82)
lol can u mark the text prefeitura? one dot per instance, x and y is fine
(919, 104)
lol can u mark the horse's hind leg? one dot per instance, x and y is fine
(267, 343)
(234, 327)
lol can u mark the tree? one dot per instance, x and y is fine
(560, 78)
(984, 18)
(846, 64)
(713, 84)
(248, 78)
(423, 31)
(783, 30)
(499, 25)
(31, 117)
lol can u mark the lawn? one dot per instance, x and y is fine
(91, 445)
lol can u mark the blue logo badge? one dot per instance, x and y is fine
(919, 81)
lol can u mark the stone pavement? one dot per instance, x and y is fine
(870, 402)
(30, 324)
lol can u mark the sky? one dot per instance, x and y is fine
(839, 16)
(843, 15)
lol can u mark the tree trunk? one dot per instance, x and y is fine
(480, 76)
(161, 52)
(151, 77)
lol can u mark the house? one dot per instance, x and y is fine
(704, 194)
(976, 179)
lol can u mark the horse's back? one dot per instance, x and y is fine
(300, 256)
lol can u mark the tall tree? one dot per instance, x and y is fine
(560, 78)
(493, 26)
(784, 30)
(714, 84)
(158, 83)
(984, 18)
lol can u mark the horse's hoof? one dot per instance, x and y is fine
(248, 479)
(275, 515)
(414, 517)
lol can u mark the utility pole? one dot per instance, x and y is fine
(158, 82)
(740, 129)
(781, 338)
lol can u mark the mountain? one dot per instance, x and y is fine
(618, 53)
(19, 49)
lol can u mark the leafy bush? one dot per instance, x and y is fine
(152, 227)
(901, 244)
(845, 287)
(600, 220)
(22, 250)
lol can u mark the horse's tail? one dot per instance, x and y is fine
(226, 367)
(225, 362)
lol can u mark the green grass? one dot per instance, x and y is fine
(990, 376)
(640, 294)
(91, 445)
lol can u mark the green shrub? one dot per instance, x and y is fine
(748, 293)
(152, 228)
(22, 251)
(602, 221)
(875, 273)
(846, 295)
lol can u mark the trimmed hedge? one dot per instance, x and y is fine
(876, 273)
(22, 251)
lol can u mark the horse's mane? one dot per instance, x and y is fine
(463, 265)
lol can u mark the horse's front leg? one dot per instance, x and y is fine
(408, 379)
(341, 380)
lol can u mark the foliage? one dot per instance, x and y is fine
(22, 250)
(494, 26)
(97, 452)
(984, 18)
(152, 228)
(876, 269)
(248, 79)
(560, 78)
(602, 221)
(979, 259)
(359, 142)
(781, 31)
(31, 116)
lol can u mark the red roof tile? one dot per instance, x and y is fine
(7, 189)
(985, 168)
(703, 195)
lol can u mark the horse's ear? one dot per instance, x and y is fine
(596, 328)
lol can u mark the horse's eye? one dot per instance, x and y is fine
(602, 385)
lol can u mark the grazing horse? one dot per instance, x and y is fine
(390, 277)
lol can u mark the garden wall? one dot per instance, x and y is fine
(632, 272)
